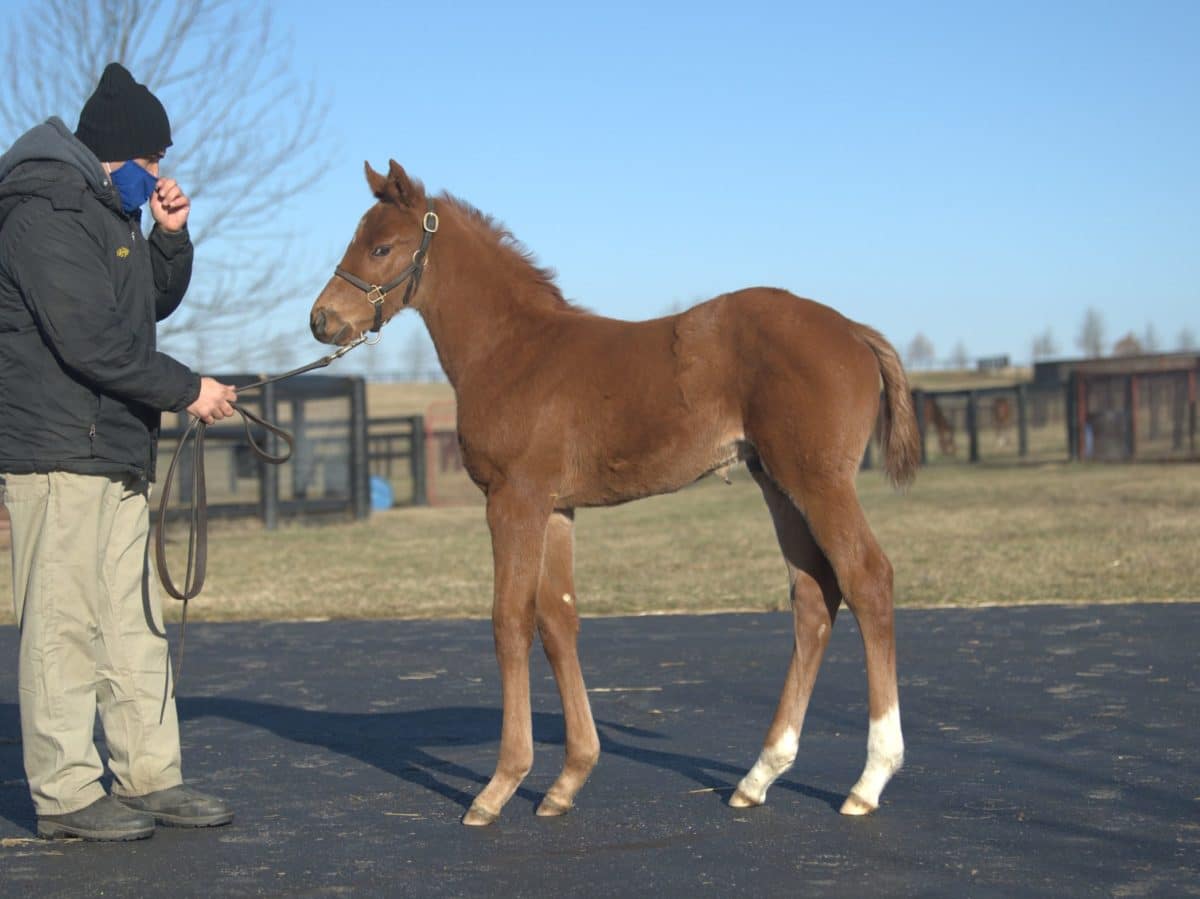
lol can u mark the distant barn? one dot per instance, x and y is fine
(1123, 408)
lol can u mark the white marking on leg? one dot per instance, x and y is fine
(772, 762)
(567, 598)
(885, 755)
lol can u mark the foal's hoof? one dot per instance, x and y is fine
(477, 816)
(856, 805)
(552, 808)
(741, 800)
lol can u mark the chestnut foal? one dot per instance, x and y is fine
(559, 408)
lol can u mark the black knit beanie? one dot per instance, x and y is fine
(122, 119)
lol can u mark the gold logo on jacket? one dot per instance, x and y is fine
(122, 252)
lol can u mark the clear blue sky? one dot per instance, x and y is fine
(977, 172)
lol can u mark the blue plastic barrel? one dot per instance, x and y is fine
(381, 494)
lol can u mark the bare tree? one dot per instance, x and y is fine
(1044, 346)
(243, 130)
(1150, 342)
(279, 353)
(1186, 341)
(1091, 333)
(1128, 345)
(370, 363)
(960, 358)
(417, 356)
(920, 352)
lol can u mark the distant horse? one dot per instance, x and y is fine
(1002, 413)
(560, 409)
(945, 430)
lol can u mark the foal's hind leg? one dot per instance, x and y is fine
(558, 624)
(864, 576)
(815, 600)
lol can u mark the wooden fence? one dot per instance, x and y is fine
(1014, 424)
(327, 474)
(1135, 415)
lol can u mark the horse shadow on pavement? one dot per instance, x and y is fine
(414, 746)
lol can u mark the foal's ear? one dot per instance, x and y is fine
(396, 186)
(375, 180)
(399, 183)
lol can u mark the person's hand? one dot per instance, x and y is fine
(169, 205)
(214, 402)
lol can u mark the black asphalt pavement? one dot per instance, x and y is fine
(1051, 751)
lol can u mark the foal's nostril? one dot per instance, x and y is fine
(318, 324)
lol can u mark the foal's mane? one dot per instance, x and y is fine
(541, 278)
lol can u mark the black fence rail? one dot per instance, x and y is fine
(1016, 423)
(396, 454)
(1135, 415)
(327, 474)
(418, 457)
(1012, 424)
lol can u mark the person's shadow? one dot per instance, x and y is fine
(402, 744)
(14, 791)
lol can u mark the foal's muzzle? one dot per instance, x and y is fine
(328, 327)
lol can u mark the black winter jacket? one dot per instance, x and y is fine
(82, 385)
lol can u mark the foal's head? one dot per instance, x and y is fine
(371, 284)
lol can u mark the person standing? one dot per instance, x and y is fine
(82, 389)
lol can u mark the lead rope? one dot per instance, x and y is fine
(197, 555)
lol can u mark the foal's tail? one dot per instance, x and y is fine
(898, 432)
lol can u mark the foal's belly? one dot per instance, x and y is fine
(618, 477)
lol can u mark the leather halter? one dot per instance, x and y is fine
(412, 273)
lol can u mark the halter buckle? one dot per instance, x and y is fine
(375, 295)
(430, 217)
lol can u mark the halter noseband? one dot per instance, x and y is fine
(412, 274)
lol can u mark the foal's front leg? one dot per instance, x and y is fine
(518, 529)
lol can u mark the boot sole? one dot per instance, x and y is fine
(51, 830)
(207, 821)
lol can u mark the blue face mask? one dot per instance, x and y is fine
(134, 184)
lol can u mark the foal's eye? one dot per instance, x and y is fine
(381, 250)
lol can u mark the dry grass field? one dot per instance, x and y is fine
(385, 399)
(963, 535)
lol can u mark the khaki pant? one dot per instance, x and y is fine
(92, 639)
